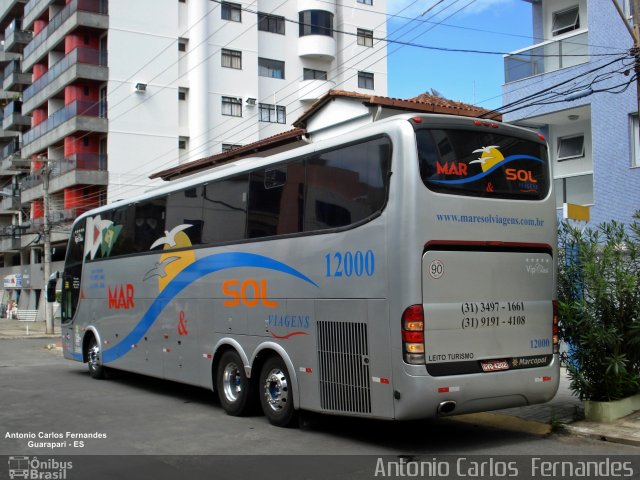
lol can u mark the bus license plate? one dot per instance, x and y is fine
(494, 365)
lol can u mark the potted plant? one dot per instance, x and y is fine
(599, 310)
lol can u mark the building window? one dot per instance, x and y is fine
(272, 113)
(231, 11)
(229, 146)
(182, 93)
(365, 37)
(365, 80)
(182, 44)
(270, 23)
(183, 143)
(316, 22)
(570, 147)
(311, 74)
(635, 141)
(565, 21)
(232, 106)
(270, 68)
(366, 2)
(231, 58)
(577, 189)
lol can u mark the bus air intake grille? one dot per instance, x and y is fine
(343, 365)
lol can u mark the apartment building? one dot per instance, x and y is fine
(576, 86)
(97, 94)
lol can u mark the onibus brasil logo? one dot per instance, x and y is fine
(33, 468)
(490, 160)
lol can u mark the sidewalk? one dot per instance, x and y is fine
(21, 329)
(564, 413)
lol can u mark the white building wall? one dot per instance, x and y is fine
(549, 8)
(144, 128)
(353, 57)
(573, 166)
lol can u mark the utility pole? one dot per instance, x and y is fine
(635, 35)
(48, 317)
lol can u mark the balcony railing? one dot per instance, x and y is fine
(12, 67)
(13, 107)
(78, 161)
(31, 181)
(93, 6)
(547, 57)
(10, 149)
(74, 109)
(10, 231)
(9, 199)
(30, 6)
(89, 56)
(59, 216)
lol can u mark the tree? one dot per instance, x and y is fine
(599, 308)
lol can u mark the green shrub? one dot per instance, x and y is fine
(599, 308)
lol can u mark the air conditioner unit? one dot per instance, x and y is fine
(250, 101)
(141, 87)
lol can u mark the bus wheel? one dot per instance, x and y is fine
(96, 370)
(232, 384)
(276, 395)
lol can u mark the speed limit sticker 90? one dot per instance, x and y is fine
(436, 269)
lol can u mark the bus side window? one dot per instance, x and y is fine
(71, 277)
(149, 223)
(185, 208)
(224, 214)
(347, 185)
(276, 196)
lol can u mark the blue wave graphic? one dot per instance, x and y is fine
(479, 176)
(195, 271)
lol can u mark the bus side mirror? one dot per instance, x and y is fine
(51, 287)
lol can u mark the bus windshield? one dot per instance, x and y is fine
(482, 164)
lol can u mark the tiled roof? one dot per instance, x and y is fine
(274, 141)
(422, 103)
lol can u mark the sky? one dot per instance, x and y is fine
(488, 25)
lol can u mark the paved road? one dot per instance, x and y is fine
(41, 393)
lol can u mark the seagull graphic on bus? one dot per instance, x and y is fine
(490, 160)
(159, 269)
(171, 237)
(490, 157)
(172, 263)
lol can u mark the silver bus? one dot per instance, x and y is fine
(404, 270)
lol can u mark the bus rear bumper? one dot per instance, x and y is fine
(425, 396)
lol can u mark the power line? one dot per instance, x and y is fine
(385, 56)
(292, 94)
(547, 89)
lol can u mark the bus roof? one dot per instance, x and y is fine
(250, 163)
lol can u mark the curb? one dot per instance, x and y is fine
(505, 422)
(33, 336)
(598, 434)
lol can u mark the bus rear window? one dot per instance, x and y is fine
(482, 164)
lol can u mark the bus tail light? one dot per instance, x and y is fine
(556, 329)
(413, 335)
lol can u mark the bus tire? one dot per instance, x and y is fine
(276, 393)
(96, 369)
(233, 386)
